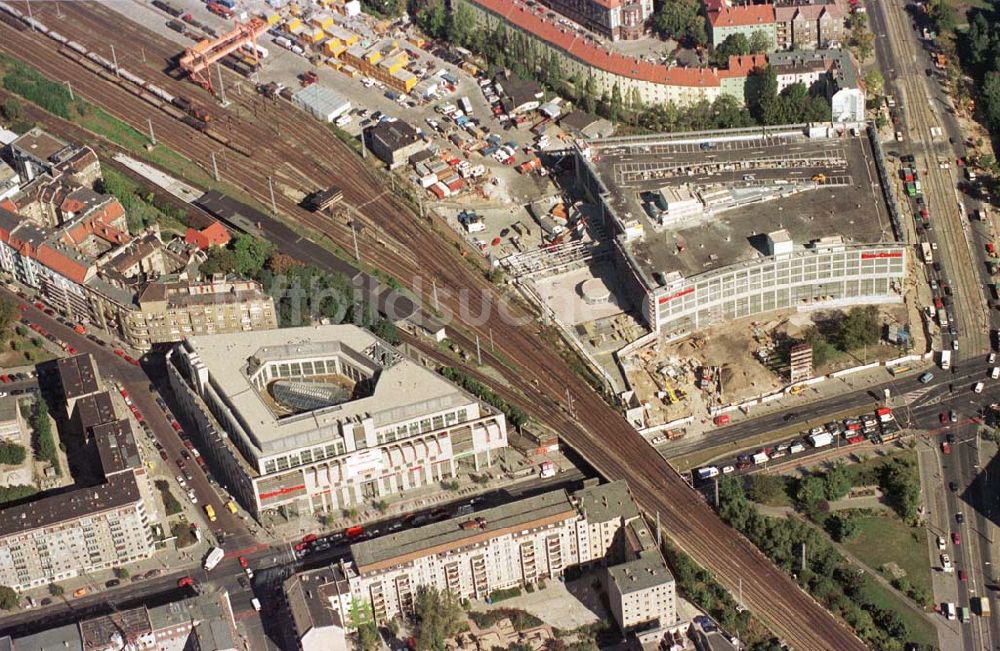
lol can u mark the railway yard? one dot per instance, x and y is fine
(271, 144)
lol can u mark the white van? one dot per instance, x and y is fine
(707, 472)
(255, 602)
(995, 373)
(978, 388)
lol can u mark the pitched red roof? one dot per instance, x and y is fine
(532, 20)
(214, 234)
(741, 16)
(61, 264)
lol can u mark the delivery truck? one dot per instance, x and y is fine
(213, 558)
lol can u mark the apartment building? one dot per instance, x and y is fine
(205, 622)
(324, 418)
(74, 246)
(809, 26)
(613, 19)
(91, 527)
(725, 21)
(517, 544)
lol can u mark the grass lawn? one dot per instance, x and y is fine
(885, 539)
(23, 350)
(867, 472)
(920, 630)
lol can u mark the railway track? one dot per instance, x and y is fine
(536, 378)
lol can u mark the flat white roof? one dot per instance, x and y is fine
(403, 390)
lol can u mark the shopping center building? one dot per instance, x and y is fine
(320, 418)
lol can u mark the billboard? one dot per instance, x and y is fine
(364, 463)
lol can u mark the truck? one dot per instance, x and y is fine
(821, 439)
(963, 614)
(213, 558)
(945, 360)
(927, 253)
(465, 105)
(981, 605)
(760, 458)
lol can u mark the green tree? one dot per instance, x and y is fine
(763, 97)
(12, 454)
(46, 448)
(368, 637)
(121, 573)
(12, 109)
(8, 598)
(734, 45)
(941, 15)
(760, 42)
(16, 492)
(766, 489)
(56, 590)
(249, 254)
(860, 327)
(822, 349)
(681, 20)
(439, 616)
(811, 492)
(433, 19)
(464, 29)
(978, 39)
(837, 482)
(991, 100)
(862, 43)
(615, 106)
(874, 82)
(588, 98)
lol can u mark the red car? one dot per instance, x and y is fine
(180, 463)
(243, 562)
(185, 582)
(4, 378)
(176, 426)
(956, 537)
(119, 352)
(962, 576)
(131, 360)
(71, 350)
(943, 417)
(39, 305)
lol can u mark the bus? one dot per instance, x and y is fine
(231, 505)
(210, 512)
(926, 252)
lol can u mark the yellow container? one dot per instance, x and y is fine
(294, 23)
(273, 19)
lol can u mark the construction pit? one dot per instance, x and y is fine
(736, 362)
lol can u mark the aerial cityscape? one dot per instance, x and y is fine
(499, 325)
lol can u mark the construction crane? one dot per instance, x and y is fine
(197, 59)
